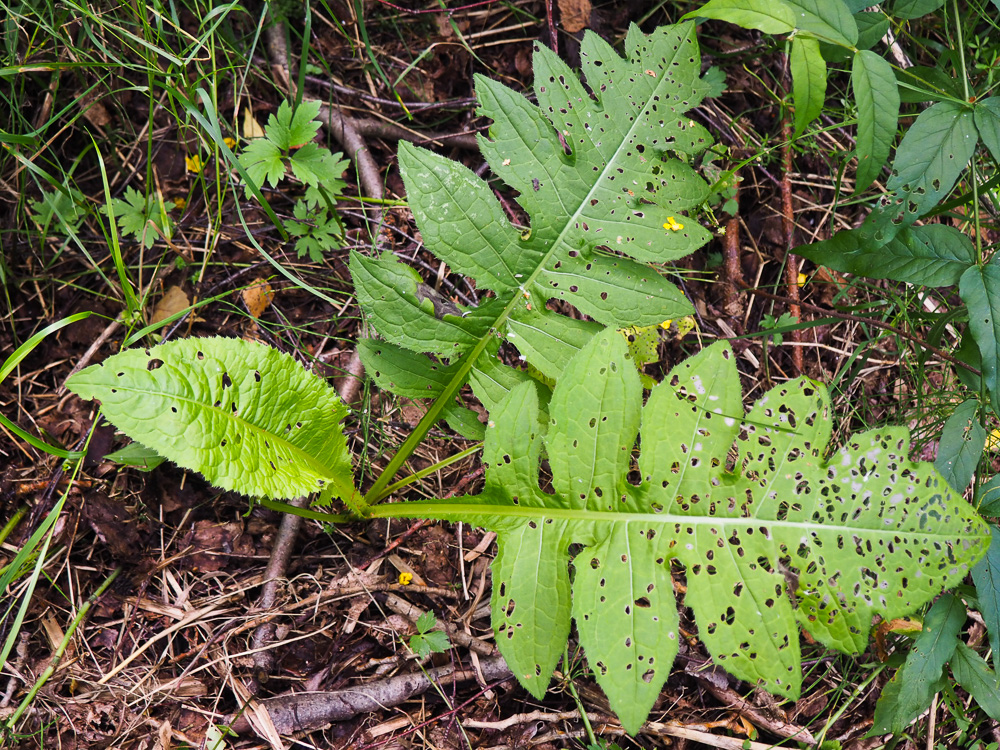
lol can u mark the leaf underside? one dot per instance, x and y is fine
(745, 502)
(602, 174)
(245, 415)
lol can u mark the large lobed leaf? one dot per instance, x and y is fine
(769, 531)
(603, 175)
(245, 415)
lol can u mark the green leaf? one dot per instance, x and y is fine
(246, 416)
(973, 673)
(988, 497)
(426, 622)
(896, 706)
(987, 117)
(290, 130)
(865, 531)
(986, 576)
(262, 161)
(137, 455)
(830, 20)
(877, 99)
(315, 166)
(931, 255)
(910, 9)
(871, 29)
(59, 211)
(929, 160)
(605, 181)
(921, 674)
(961, 447)
(140, 216)
(979, 289)
(764, 15)
(925, 84)
(808, 80)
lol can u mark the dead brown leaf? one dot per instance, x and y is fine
(173, 301)
(575, 14)
(257, 297)
(210, 544)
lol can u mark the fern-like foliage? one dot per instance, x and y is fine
(777, 536)
(603, 173)
(246, 416)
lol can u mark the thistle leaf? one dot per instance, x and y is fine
(246, 416)
(603, 175)
(771, 536)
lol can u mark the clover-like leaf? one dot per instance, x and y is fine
(771, 532)
(245, 415)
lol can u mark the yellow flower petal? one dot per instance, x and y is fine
(194, 164)
(231, 142)
(405, 579)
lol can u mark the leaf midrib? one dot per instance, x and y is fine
(464, 511)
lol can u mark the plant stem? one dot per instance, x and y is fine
(425, 472)
(576, 699)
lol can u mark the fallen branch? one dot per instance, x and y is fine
(304, 712)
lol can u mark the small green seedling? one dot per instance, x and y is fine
(427, 640)
(145, 217)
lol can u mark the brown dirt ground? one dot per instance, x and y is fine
(166, 652)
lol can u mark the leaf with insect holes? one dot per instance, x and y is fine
(602, 173)
(862, 532)
(245, 415)
(929, 160)
(876, 95)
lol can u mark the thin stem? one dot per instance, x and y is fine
(416, 476)
(576, 699)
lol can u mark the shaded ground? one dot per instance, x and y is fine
(166, 652)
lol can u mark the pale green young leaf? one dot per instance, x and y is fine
(973, 673)
(931, 650)
(987, 116)
(930, 158)
(830, 20)
(595, 168)
(808, 80)
(907, 10)
(877, 98)
(986, 576)
(961, 446)
(979, 289)
(930, 255)
(246, 416)
(858, 538)
(263, 161)
(769, 16)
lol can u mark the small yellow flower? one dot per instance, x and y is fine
(180, 203)
(801, 279)
(672, 225)
(666, 324)
(405, 579)
(231, 142)
(194, 163)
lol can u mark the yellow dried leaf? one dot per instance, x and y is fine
(251, 128)
(257, 297)
(172, 302)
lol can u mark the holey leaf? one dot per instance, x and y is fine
(603, 174)
(770, 532)
(245, 415)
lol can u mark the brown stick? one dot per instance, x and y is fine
(788, 223)
(302, 712)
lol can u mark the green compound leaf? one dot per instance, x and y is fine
(244, 415)
(974, 674)
(929, 160)
(987, 116)
(921, 676)
(931, 255)
(864, 531)
(961, 447)
(808, 80)
(263, 162)
(600, 176)
(764, 15)
(877, 97)
(979, 289)
(830, 20)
